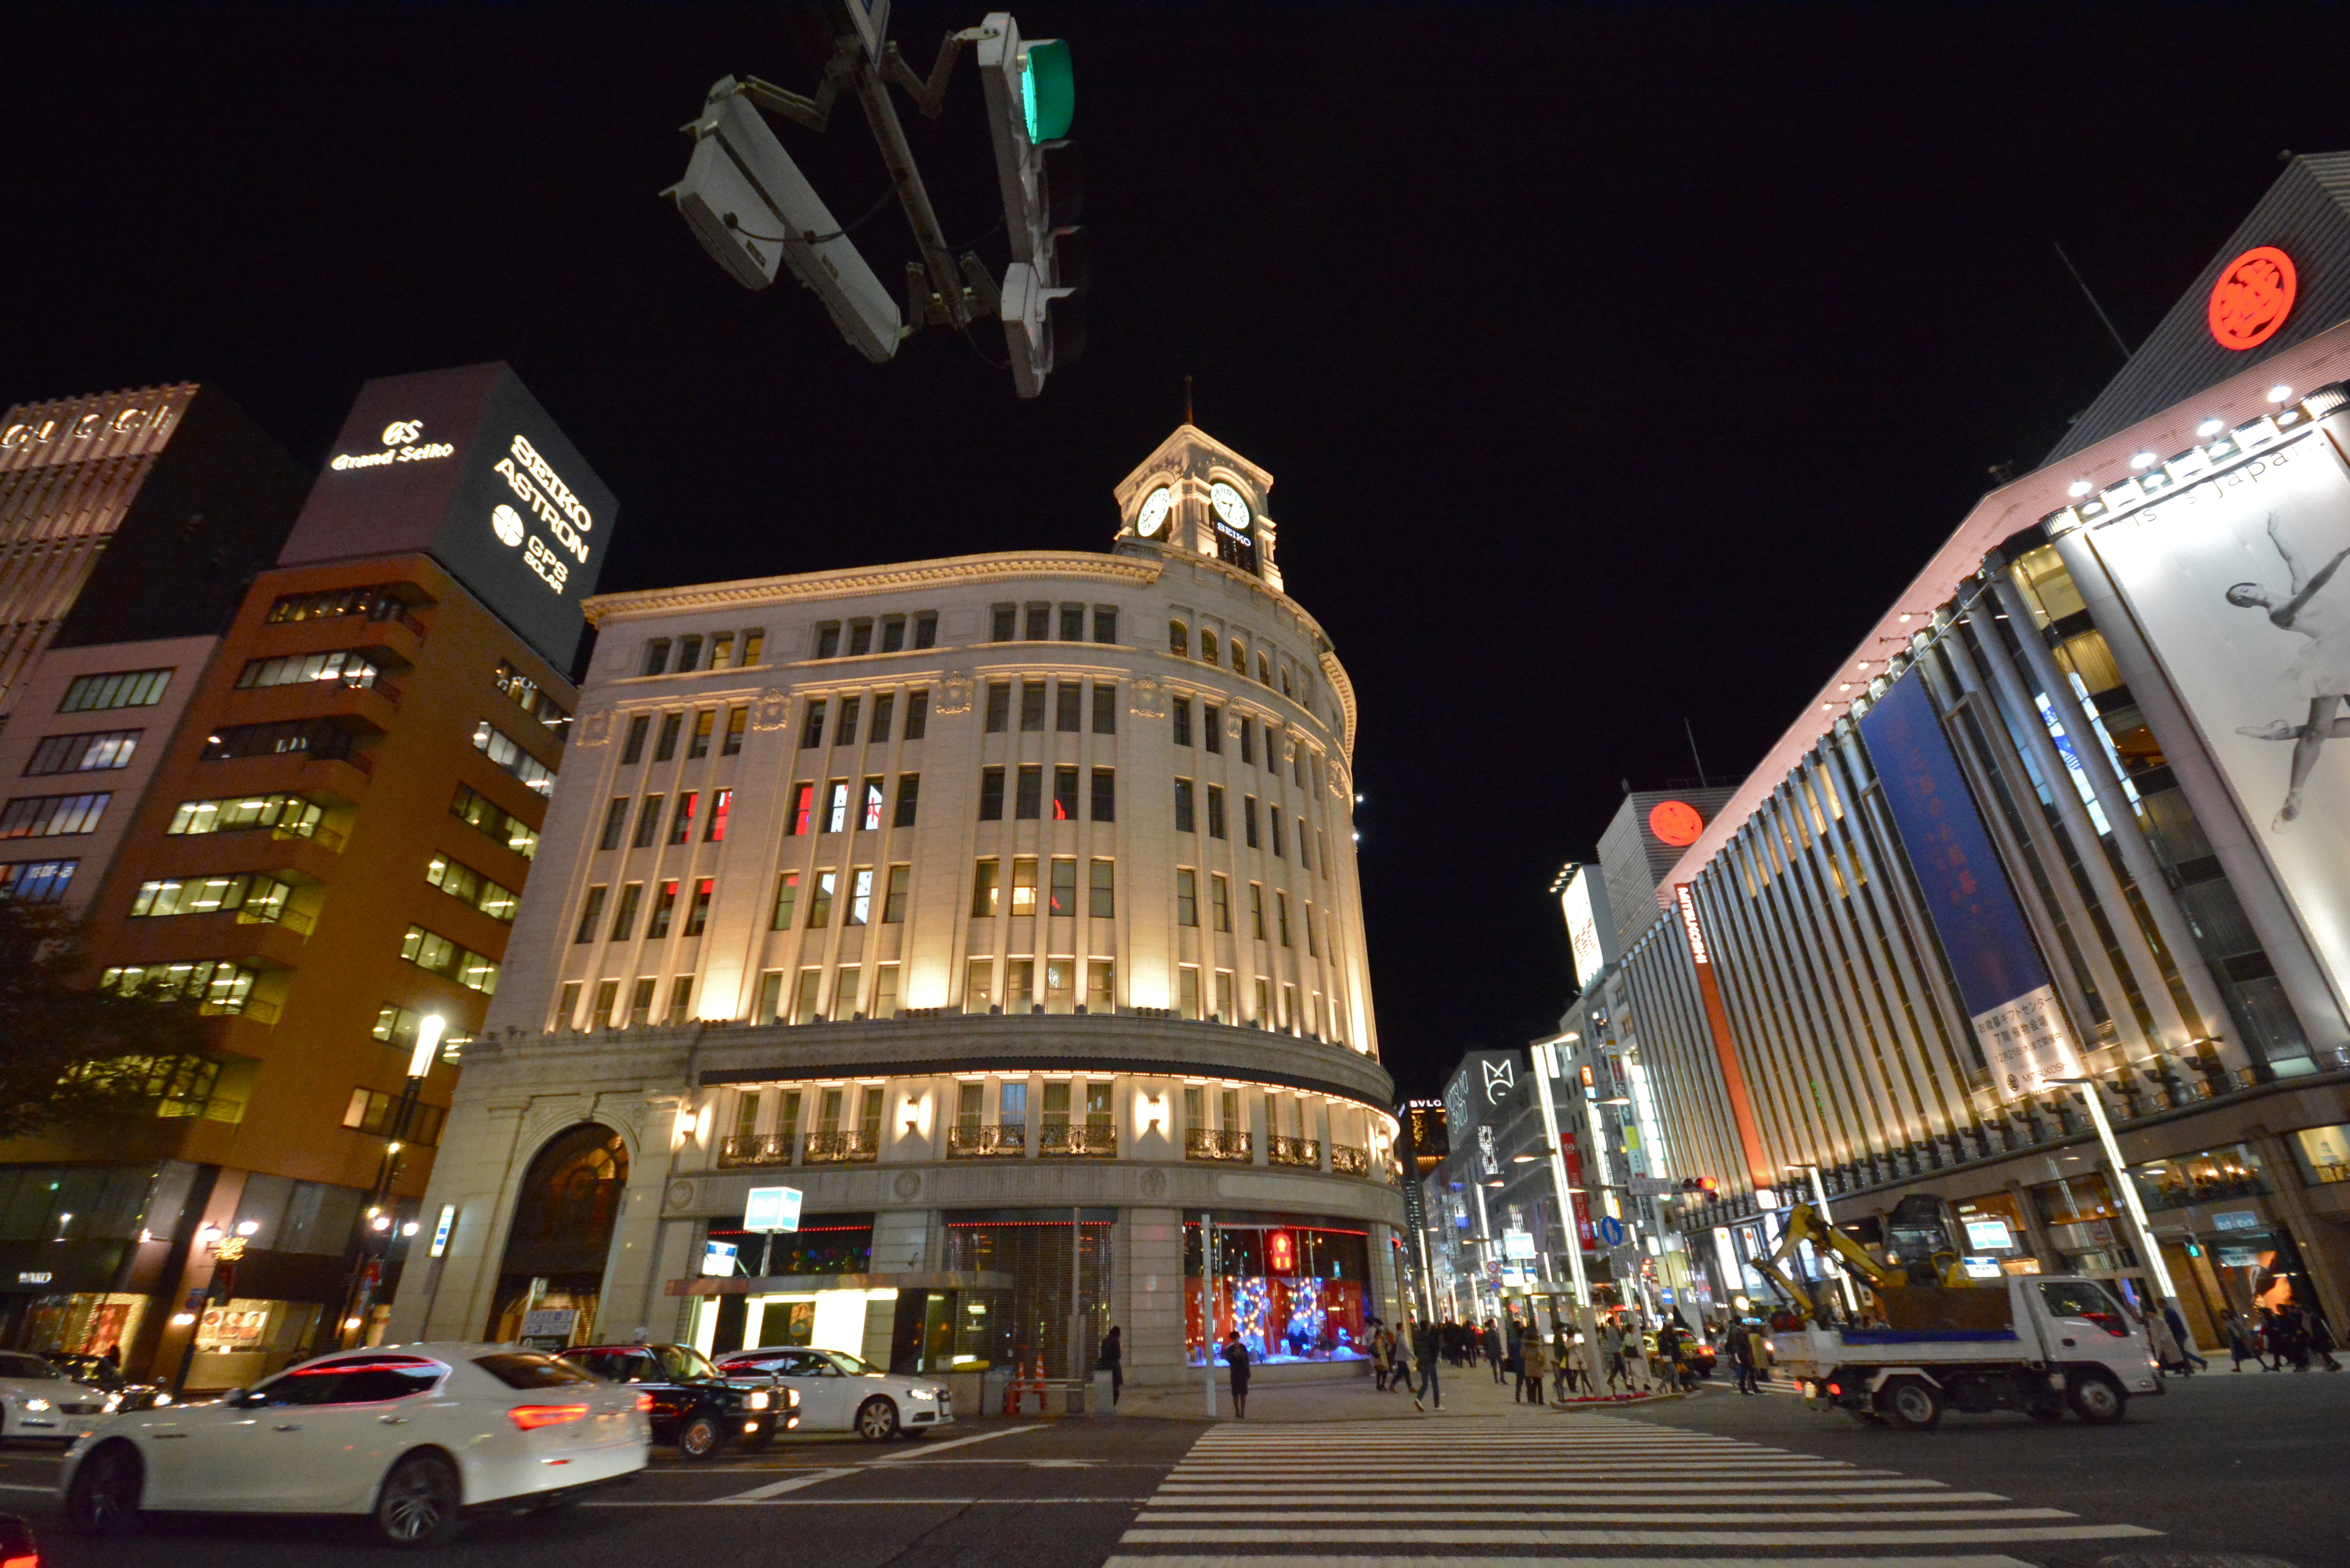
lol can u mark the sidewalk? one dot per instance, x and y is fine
(1469, 1391)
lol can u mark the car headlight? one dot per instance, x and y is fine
(757, 1401)
(162, 1400)
(39, 1404)
(113, 1402)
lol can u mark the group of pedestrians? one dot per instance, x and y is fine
(2290, 1335)
(1407, 1360)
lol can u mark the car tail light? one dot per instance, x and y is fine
(1835, 1390)
(645, 1403)
(531, 1418)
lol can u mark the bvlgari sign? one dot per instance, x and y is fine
(466, 465)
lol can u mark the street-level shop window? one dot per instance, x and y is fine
(1293, 1293)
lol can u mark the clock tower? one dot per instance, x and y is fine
(1197, 495)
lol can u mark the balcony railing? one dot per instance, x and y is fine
(1299, 1151)
(1006, 1141)
(1080, 1142)
(1349, 1160)
(840, 1148)
(1216, 1143)
(756, 1148)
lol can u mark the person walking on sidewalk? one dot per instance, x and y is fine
(1427, 1353)
(2321, 1338)
(1236, 1357)
(1492, 1343)
(1567, 1364)
(1113, 1361)
(2177, 1324)
(2241, 1345)
(1533, 1367)
(1742, 1357)
(1382, 1353)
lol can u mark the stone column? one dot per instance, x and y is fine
(1154, 1292)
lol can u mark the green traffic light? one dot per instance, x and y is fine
(1048, 90)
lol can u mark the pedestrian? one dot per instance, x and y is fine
(2291, 1338)
(2243, 1345)
(112, 1356)
(1611, 1351)
(2320, 1339)
(1533, 1367)
(1758, 1355)
(2164, 1344)
(2177, 1323)
(1236, 1357)
(1742, 1357)
(1492, 1342)
(1378, 1360)
(1424, 1351)
(2270, 1341)
(1113, 1361)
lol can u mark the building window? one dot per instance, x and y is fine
(1240, 656)
(738, 720)
(1303, 839)
(633, 751)
(1273, 820)
(1032, 706)
(1263, 669)
(1028, 801)
(52, 816)
(982, 890)
(885, 991)
(664, 906)
(1297, 765)
(689, 654)
(647, 822)
(1060, 985)
(1065, 794)
(260, 900)
(36, 881)
(1062, 899)
(680, 1000)
(616, 824)
(495, 745)
(1187, 895)
(812, 726)
(287, 816)
(1003, 625)
(787, 894)
(721, 650)
(998, 706)
(122, 689)
(827, 639)
(429, 950)
(1221, 888)
(624, 916)
(1103, 892)
(893, 633)
(1211, 727)
(1248, 741)
(820, 899)
(1101, 989)
(656, 656)
(721, 805)
(910, 796)
(680, 822)
(589, 913)
(1023, 885)
(1105, 707)
(1068, 707)
(1178, 640)
(1264, 1004)
(991, 795)
(804, 1010)
(917, 713)
(844, 987)
(926, 630)
(87, 754)
(868, 819)
(463, 882)
(318, 738)
(885, 705)
(861, 635)
(1256, 909)
(1280, 915)
(1248, 821)
(893, 900)
(803, 810)
(465, 805)
(1019, 984)
(705, 724)
(1182, 720)
(844, 733)
(1105, 623)
(836, 805)
(666, 747)
(1183, 823)
(1187, 990)
(1040, 621)
(1073, 623)
(1207, 645)
(979, 985)
(754, 641)
(378, 601)
(1215, 811)
(860, 896)
(1105, 795)
(1313, 950)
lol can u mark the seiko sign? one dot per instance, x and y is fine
(400, 445)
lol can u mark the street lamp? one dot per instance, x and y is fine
(430, 1031)
(2147, 1245)
(1546, 1071)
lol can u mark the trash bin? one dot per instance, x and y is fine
(990, 1390)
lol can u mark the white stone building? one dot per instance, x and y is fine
(1006, 906)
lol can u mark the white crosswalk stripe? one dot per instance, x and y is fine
(1604, 1491)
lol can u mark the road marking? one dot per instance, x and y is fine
(927, 1449)
(1144, 1536)
(759, 1492)
(857, 1501)
(1318, 1562)
(1162, 1515)
(19, 1486)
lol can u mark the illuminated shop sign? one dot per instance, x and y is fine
(85, 426)
(400, 445)
(1675, 822)
(2254, 295)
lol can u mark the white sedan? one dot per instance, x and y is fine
(36, 1400)
(840, 1393)
(415, 1434)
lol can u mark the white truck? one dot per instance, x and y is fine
(2044, 1344)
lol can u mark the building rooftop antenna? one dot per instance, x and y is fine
(1187, 401)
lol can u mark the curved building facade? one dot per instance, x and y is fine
(1002, 905)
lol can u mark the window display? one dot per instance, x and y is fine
(1292, 1292)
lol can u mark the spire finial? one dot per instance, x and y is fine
(1187, 401)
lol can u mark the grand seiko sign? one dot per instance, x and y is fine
(400, 445)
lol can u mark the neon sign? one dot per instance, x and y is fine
(2254, 295)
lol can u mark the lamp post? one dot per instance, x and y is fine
(1546, 1072)
(429, 1030)
(2150, 1248)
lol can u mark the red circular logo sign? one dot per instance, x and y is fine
(2253, 298)
(1676, 822)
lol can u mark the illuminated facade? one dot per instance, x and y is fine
(1006, 905)
(2070, 811)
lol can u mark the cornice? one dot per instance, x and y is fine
(866, 579)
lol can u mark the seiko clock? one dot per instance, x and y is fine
(1153, 516)
(1232, 507)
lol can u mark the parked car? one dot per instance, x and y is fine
(39, 1401)
(839, 1393)
(692, 1405)
(97, 1372)
(417, 1435)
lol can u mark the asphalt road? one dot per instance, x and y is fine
(2248, 1464)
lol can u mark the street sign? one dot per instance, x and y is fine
(1611, 1230)
(771, 1209)
(1517, 1245)
(718, 1258)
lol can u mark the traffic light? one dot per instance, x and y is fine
(1031, 98)
(1701, 1186)
(753, 210)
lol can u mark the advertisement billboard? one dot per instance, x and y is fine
(2019, 1028)
(1583, 899)
(2238, 585)
(465, 466)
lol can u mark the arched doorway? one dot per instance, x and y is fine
(561, 1236)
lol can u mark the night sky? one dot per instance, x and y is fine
(1616, 365)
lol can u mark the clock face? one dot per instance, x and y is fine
(1232, 509)
(1153, 516)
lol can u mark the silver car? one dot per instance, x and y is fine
(840, 1393)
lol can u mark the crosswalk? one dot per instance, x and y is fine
(1594, 1490)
